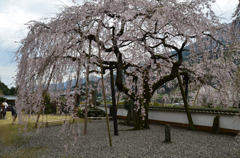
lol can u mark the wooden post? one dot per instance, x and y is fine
(113, 102)
(167, 134)
(186, 79)
(215, 127)
(76, 95)
(190, 121)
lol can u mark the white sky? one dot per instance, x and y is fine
(15, 13)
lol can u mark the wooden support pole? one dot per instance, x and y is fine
(190, 121)
(186, 79)
(113, 102)
(76, 95)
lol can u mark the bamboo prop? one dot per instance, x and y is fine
(174, 96)
(44, 95)
(43, 115)
(195, 99)
(87, 88)
(190, 121)
(104, 95)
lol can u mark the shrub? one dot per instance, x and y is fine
(80, 113)
(92, 112)
(98, 103)
(50, 107)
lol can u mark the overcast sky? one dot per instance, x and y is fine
(14, 14)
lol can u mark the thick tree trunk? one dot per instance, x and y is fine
(139, 121)
(146, 123)
(142, 122)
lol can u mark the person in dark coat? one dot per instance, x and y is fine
(2, 111)
(14, 114)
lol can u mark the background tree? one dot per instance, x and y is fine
(6, 91)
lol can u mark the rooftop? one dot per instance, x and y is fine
(9, 97)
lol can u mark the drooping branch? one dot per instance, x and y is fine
(44, 95)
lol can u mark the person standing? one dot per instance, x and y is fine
(2, 111)
(14, 114)
(5, 104)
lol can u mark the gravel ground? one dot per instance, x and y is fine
(53, 142)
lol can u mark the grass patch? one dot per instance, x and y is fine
(10, 134)
(121, 103)
(163, 104)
